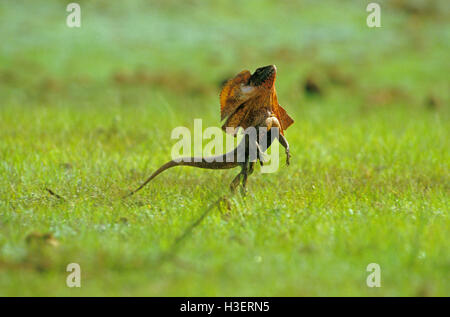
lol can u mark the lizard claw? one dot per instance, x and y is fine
(262, 158)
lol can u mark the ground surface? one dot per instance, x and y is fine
(88, 114)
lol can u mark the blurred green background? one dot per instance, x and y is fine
(88, 112)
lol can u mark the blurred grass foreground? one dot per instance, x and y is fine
(87, 114)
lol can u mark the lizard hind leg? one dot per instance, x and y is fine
(235, 182)
(242, 174)
(247, 172)
(247, 169)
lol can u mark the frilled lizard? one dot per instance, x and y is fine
(247, 100)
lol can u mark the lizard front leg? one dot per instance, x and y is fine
(260, 156)
(273, 122)
(285, 144)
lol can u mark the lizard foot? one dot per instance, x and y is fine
(235, 183)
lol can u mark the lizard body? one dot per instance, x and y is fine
(247, 100)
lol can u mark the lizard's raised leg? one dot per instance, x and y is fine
(285, 144)
(260, 156)
(273, 122)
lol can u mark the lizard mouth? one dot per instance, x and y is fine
(264, 76)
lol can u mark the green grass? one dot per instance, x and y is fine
(88, 113)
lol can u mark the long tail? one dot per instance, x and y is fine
(156, 173)
(200, 163)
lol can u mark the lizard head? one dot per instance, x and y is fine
(250, 91)
(264, 77)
